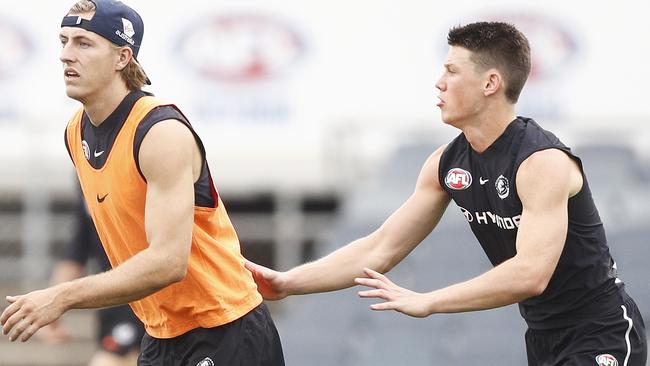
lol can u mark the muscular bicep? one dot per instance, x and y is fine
(545, 181)
(167, 156)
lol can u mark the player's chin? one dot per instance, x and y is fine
(446, 118)
(73, 92)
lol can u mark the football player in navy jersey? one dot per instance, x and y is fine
(526, 199)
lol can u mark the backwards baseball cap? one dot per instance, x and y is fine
(115, 21)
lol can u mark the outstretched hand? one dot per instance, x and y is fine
(395, 297)
(28, 313)
(271, 284)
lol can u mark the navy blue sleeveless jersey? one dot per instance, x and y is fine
(484, 187)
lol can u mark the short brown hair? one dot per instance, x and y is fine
(133, 74)
(499, 45)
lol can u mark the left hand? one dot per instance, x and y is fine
(28, 313)
(396, 298)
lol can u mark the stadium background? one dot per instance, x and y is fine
(317, 117)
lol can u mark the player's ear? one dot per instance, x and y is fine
(124, 56)
(493, 82)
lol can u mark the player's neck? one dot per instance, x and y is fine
(486, 128)
(99, 107)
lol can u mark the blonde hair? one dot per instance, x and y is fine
(133, 74)
(83, 6)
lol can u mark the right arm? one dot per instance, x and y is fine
(380, 251)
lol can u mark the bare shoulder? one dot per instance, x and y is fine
(167, 146)
(170, 130)
(549, 170)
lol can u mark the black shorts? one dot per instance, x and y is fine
(615, 339)
(251, 340)
(120, 331)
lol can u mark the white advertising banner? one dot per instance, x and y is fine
(266, 82)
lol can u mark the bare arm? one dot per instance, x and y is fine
(167, 156)
(544, 190)
(381, 250)
(170, 161)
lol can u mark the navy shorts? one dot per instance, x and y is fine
(251, 340)
(120, 331)
(617, 338)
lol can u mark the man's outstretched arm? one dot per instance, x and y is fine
(381, 250)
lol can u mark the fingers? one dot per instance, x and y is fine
(23, 330)
(15, 318)
(6, 316)
(12, 299)
(381, 294)
(376, 275)
(251, 266)
(29, 332)
(258, 271)
(382, 306)
(374, 279)
(17, 330)
(368, 282)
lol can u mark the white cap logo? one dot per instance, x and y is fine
(128, 28)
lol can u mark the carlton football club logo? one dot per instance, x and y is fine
(458, 179)
(606, 360)
(86, 149)
(502, 186)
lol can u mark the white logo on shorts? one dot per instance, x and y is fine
(205, 362)
(606, 360)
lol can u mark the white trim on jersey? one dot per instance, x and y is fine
(627, 334)
(615, 268)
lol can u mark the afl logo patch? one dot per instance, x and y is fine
(606, 360)
(86, 149)
(458, 179)
(502, 186)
